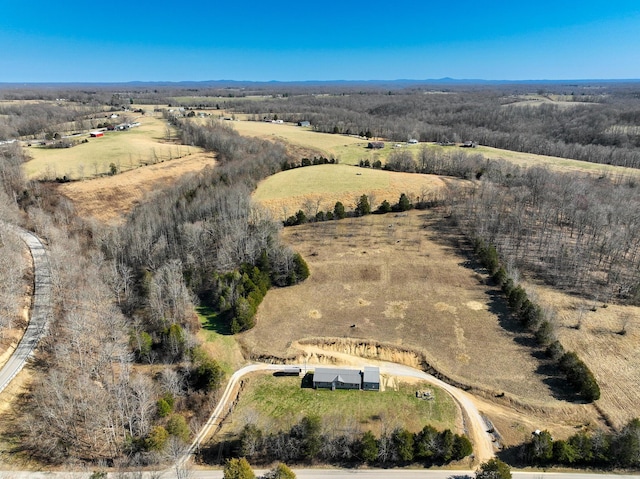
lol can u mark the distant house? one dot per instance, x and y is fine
(304, 123)
(376, 145)
(337, 378)
(96, 134)
(371, 379)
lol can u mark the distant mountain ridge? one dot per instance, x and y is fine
(399, 83)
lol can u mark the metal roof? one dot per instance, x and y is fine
(371, 375)
(329, 375)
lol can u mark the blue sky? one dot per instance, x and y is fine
(74, 41)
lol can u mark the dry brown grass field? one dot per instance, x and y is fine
(606, 337)
(395, 279)
(109, 198)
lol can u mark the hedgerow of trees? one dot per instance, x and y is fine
(596, 449)
(309, 441)
(533, 318)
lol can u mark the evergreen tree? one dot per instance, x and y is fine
(384, 207)
(238, 469)
(494, 469)
(403, 203)
(368, 447)
(363, 207)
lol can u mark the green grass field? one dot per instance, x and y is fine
(331, 146)
(126, 149)
(280, 402)
(321, 179)
(218, 341)
(321, 186)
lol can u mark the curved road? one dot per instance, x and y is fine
(40, 307)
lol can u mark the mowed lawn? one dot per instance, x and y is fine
(143, 145)
(277, 403)
(217, 340)
(319, 187)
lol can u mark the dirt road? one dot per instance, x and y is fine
(474, 424)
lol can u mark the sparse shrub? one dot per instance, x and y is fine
(157, 439)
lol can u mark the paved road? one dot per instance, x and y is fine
(324, 473)
(40, 307)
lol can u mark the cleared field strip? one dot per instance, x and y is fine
(109, 198)
(350, 150)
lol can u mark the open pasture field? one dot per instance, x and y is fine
(394, 279)
(143, 145)
(554, 163)
(319, 187)
(350, 150)
(277, 403)
(109, 198)
(331, 146)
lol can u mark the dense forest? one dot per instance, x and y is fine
(125, 297)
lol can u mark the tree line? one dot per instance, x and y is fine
(596, 449)
(311, 441)
(533, 318)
